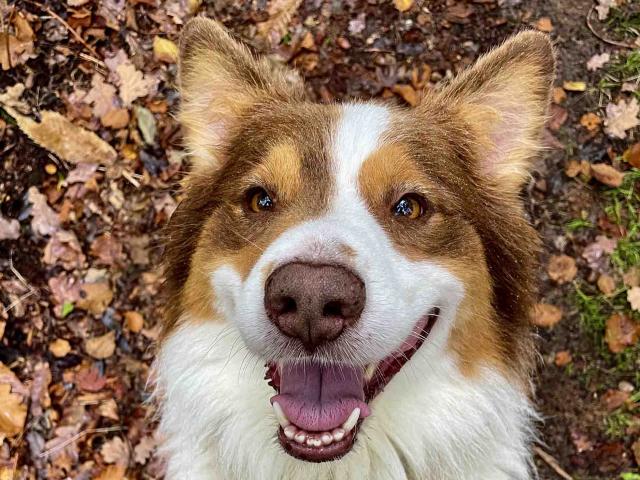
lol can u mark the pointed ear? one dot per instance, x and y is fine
(503, 100)
(219, 81)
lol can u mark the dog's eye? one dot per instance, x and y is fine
(258, 200)
(410, 206)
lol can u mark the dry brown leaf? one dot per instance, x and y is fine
(544, 25)
(66, 140)
(403, 5)
(101, 347)
(144, 448)
(558, 116)
(115, 451)
(165, 50)
(607, 174)
(17, 47)
(134, 321)
(63, 248)
(102, 96)
(633, 297)
(558, 95)
(59, 347)
(40, 399)
(621, 332)
(95, 297)
(631, 277)
(598, 61)
(606, 284)
(9, 228)
(635, 448)
(132, 83)
(109, 409)
(116, 119)
(280, 13)
(621, 117)
(106, 249)
(112, 472)
(13, 411)
(90, 380)
(407, 92)
(545, 315)
(563, 358)
(614, 399)
(44, 219)
(632, 155)
(590, 121)
(562, 269)
(572, 169)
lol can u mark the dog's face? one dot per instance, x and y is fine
(342, 241)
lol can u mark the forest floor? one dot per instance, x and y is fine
(84, 195)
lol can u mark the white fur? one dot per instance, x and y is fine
(431, 422)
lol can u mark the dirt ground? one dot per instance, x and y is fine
(80, 239)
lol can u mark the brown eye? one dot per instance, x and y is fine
(259, 200)
(410, 206)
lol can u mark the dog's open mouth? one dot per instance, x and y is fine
(321, 406)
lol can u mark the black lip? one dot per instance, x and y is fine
(328, 453)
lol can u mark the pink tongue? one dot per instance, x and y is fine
(320, 398)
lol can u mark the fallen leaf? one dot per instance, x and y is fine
(574, 86)
(63, 444)
(101, 347)
(90, 380)
(545, 315)
(407, 92)
(116, 119)
(572, 169)
(598, 61)
(606, 284)
(280, 13)
(17, 47)
(558, 115)
(134, 321)
(590, 121)
(82, 173)
(633, 297)
(115, 451)
(559, 95)
(632, 155)
(13, 410)
(132, 83)
(95, 297)
(606, 174)
(544, 25)
(631, 277)
(595, 252)
(562, 269)
(621, 117)
(102, 96)
(63, 248)
(621, 332)
(44, 219)
(603, 8)
(40, 399)
(635, 448)
(109, 409)
(106, 249)
(144, 448)
(358, 24)
(403, 5)
(614, 399)
(9, 228)
(581, 442)
(112, 472)
(563, 358)
(165, 50)
(59, 347)
(146, 124)
(66, 140)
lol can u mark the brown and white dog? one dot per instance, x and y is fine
(372, 260)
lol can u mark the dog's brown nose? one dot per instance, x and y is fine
(313, 303)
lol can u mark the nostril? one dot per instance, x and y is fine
(285, 305)
(333, 309)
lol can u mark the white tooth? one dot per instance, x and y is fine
(352, 420)
(300, 437)
(309, 442)
(316, 442)
(338, 434)
(280, 416)
(326, 438)
(290, 431)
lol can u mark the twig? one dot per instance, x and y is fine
(68, 27)
(605, 40)
(77, 437)
(552, 462)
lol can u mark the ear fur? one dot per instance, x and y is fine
(219, 81)
(503, 99)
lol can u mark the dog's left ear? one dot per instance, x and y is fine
(503, 101)
(220, 80)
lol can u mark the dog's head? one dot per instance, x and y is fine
(343, 240)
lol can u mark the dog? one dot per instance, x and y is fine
(349, 285)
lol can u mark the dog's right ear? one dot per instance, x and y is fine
(219, 81)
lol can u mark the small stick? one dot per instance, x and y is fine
(552, 462)
(606, 40)
(68, 27)
(77, 437)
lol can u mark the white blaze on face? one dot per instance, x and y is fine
(399, 291)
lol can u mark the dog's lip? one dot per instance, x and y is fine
(383, 373)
